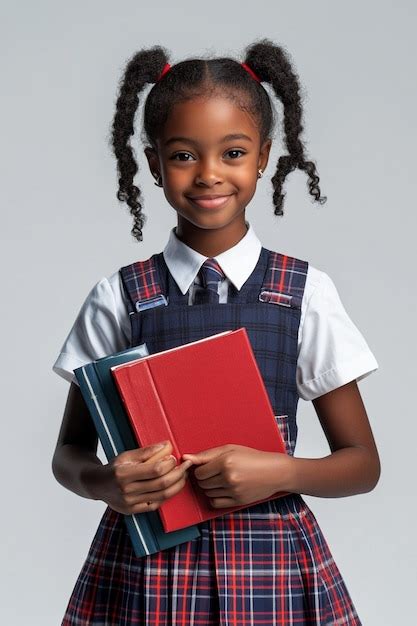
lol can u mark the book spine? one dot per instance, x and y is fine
(139, 527)
(145, 410)
(102, 369)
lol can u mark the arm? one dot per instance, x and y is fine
(75, 452)
(123, 483)
(353, 466)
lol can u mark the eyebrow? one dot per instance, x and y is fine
(229, 137)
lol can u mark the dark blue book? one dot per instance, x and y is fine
(106, 408)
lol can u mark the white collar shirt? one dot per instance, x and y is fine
(238, 263)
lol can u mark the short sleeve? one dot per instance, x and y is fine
(333, 351)
(96, 332)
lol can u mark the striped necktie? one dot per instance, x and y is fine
(211, 275)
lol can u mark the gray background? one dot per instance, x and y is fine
(63, 229)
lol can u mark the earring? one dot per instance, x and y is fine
(158, 181)
(260, 172)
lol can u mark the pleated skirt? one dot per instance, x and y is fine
(266, 564)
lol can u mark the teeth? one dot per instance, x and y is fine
(214, 202)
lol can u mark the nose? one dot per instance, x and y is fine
(208, 173)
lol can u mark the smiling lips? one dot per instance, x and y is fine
(210, 201)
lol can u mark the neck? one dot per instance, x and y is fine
(210, 241)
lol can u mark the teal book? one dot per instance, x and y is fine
(107, 411)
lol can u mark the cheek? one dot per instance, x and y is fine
(245, 178)
(247, 170)
(177, 178)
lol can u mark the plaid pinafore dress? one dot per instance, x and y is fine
(265, 564)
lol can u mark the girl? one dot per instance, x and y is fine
(208, 127)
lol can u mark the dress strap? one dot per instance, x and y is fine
(284, 280)
(143, 286)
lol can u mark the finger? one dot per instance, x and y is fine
(141, 455)
(215, 482)
(169, 466)
(221, 503)
(171, 490)
(208, 471)
(160, 453)
(205, 455)
(207, 467)
(144, 507)
(217, 493)
(157, 497)
(162, 476)
(139, 476)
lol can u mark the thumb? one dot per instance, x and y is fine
(201, 457)
(155, 452)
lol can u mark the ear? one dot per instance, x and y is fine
(264, 154)
(153, 161)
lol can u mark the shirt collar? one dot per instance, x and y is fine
(238, 262)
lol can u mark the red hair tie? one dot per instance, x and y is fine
(251, 72)
(167, 67)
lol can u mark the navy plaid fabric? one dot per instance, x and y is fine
(211, 275)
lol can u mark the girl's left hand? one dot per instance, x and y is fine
(231, 475)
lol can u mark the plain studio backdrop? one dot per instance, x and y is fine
(63, 229)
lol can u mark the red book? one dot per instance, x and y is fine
(200, 395)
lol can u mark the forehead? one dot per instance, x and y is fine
(208, 120)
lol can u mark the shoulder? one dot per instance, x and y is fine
(102, 292)
(119, 300)
(321, 299)
(320, 292)
(105, 295)
(105, 304)
(331, 349)
(114, 282)
(101, 327)
(315, 279)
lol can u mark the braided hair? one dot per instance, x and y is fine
(195, 77)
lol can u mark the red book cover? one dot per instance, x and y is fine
(200, 395)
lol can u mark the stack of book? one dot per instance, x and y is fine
(199, 395)
(116, 435)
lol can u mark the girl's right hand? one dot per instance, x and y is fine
(134, 477)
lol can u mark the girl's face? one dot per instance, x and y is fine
(209, 148)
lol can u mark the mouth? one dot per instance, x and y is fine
(210, 201)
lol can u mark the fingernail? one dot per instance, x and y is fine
(159, 446)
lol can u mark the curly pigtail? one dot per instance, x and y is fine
(143, 68)
(272, 65)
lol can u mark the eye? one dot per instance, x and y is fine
(234, 151)
(177, 154)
